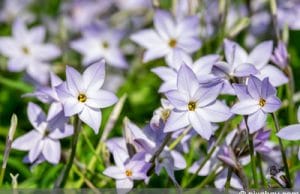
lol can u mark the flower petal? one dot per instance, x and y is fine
(176, 120)
(187, 80)
(256, 57)
(256, 121)
(291, 132)
(74, 81)
(100, 99)
(92, 117)
(276, 76)
(254, 87)
(36, 115)
(93, 76)
(124, 184)
(200, 125)
(51, 150)
(245, 107)
(217, 112)
(27, 141)
(114, 172)
(272, 104)
(177, 99)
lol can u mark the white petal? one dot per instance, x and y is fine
(93, 76)
(291, 132)
(27, 141)
(51, 150)
(100, 99)
(256, 121)
(200, 125)
(176, 120)
(92, 117)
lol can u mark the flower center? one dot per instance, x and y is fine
(192, 106)
(25, 50)
(82, 98)
(172, 43)
(105, 45)
(128, 173)
(165, 114)
(262, 102)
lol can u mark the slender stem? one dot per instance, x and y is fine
(161, 148)
(284, 159)
(261, 172)
(211, 151)
(178, 139)
(65, 173)
(227, 184)
(253, 159)
(210, 177)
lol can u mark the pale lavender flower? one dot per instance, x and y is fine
(148, 141)
(43, 140)
(237, 56)
(26, 51)
(12, 9)
(49, 95)
(288, 13)
(133, 5)
(256, 100)
(168, 37)
(104, 43)
(291, 132)
(195, 105)
(161, 114)
(81, 94)
(202, 67)
(80, 14)
(280, 56)
(127, 170)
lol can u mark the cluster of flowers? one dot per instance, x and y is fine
(190, 107)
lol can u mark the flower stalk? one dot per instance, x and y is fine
(61, 181)
(284, 159)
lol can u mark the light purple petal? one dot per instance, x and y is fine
(72, 106)
(147, 38)
(35, 115)
(74, 81)
(114, 172)
(241, 91)
(93, 76)
(124, 184)
(187, 80)
(164, 24)
(204, 64)
(178, 100)
(276, 76)
(267, 89)
(200, 125)
(67, 131)
(155, 53)
(234, 53)
(245, 107)
(176, 120)
(272, 104)
(256, 121)
(100, 99)
(37, 34)
(291, 132)
(217, 112)
(27, 141)
(207, 95)
(92, 117)
(257, 58)
(245, 69)
(179, 161)
(254, 87)
(36, 151)
(51, 150)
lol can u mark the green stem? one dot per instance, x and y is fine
(261, 172)
(253, 159)
(211, 151)
(284, 159)
(178, 139)
(227, 184)
(210, 177)
(65, 173)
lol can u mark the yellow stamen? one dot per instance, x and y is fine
(262, 102)
(25, 50)
(172, 43)
(82, 98)
(165, 114)
(105, 44)
(128, 173)
(192, 106)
